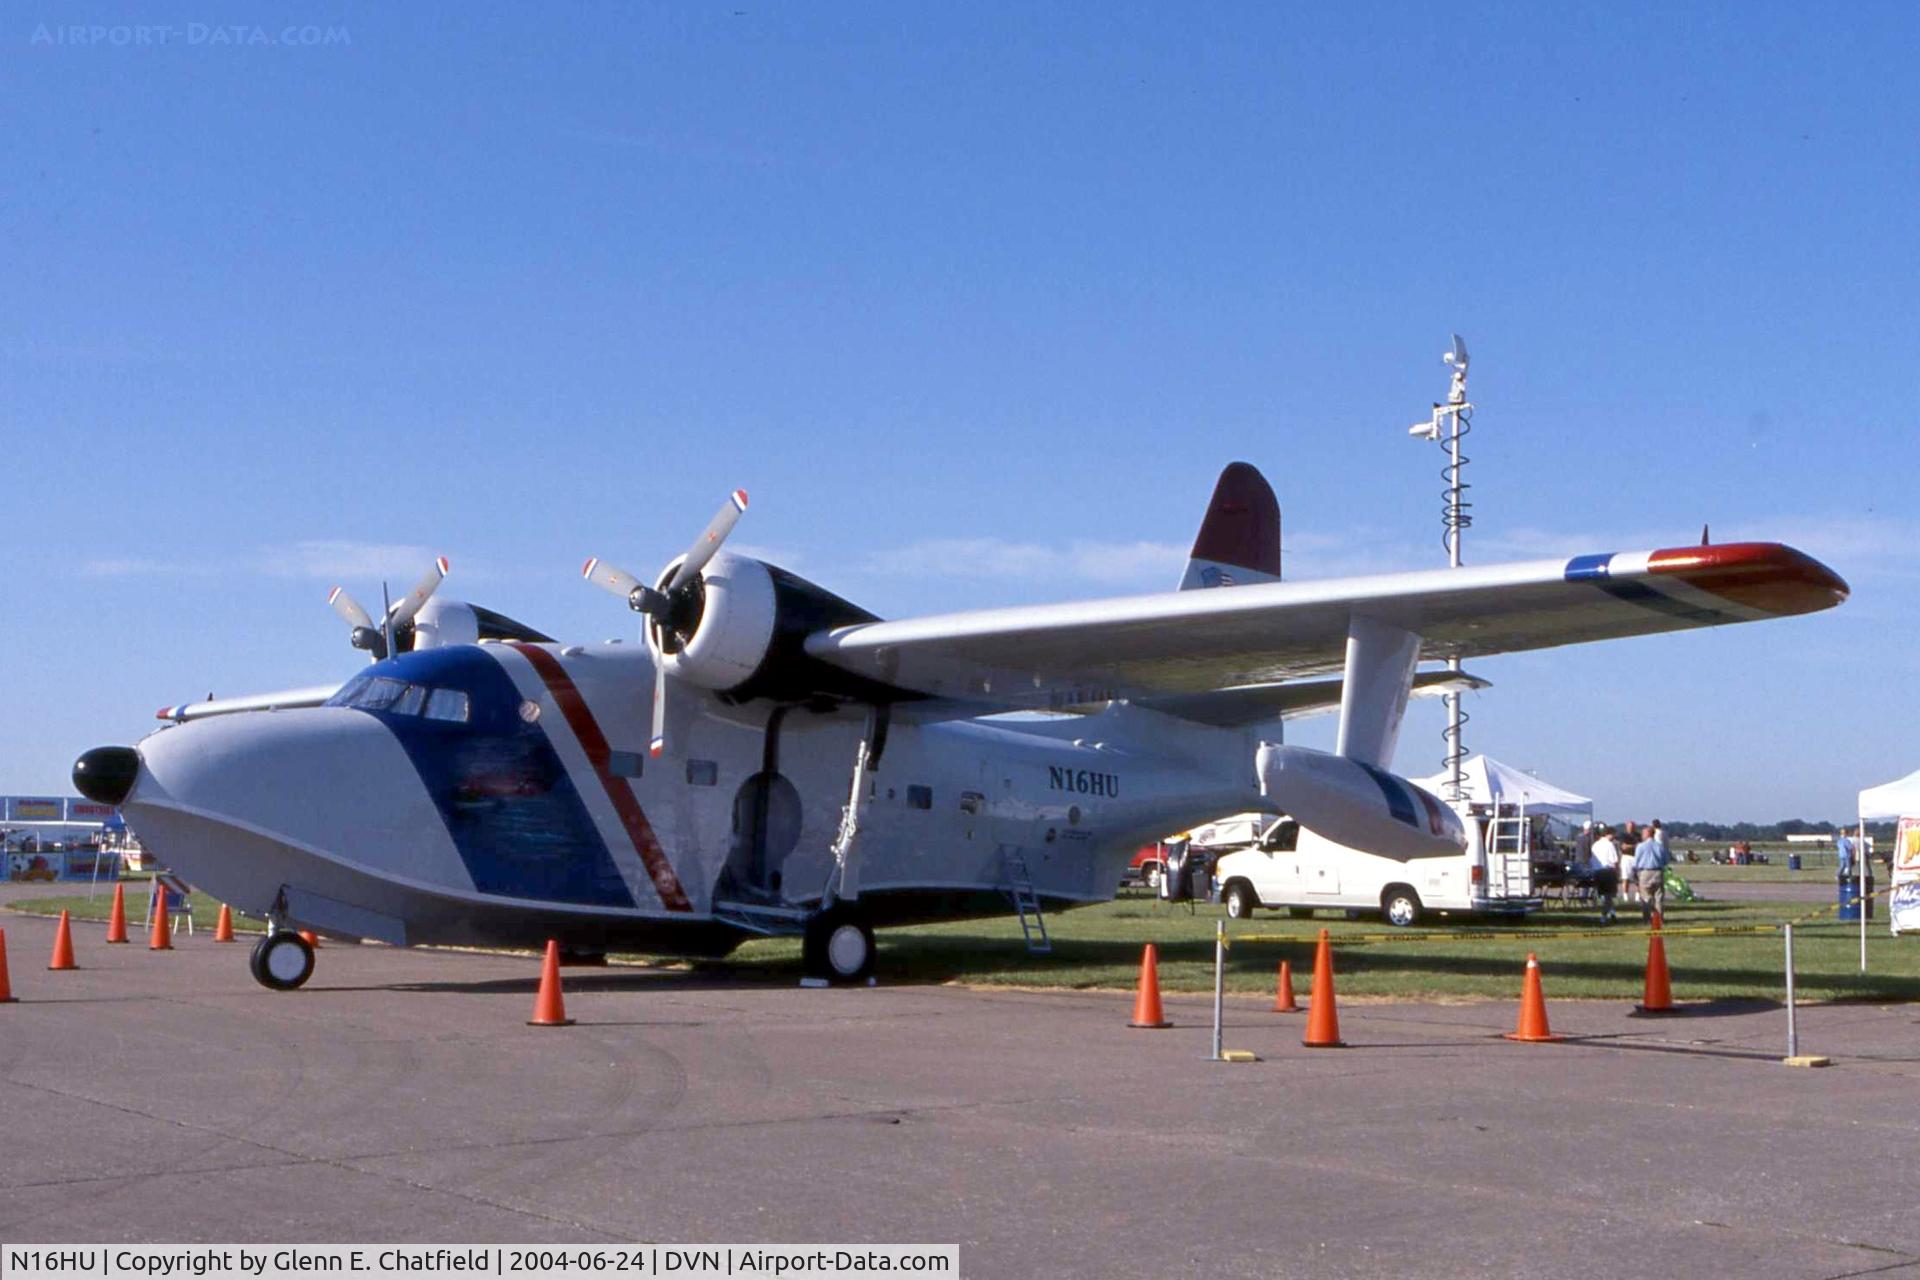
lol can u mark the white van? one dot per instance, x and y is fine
(1265, 861)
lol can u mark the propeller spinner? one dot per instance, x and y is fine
(378, 642)
(674, 608)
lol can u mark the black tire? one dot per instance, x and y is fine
(1299, 913)
(281, 961)
(1240, 899)
(1401, 906)
(838, 946)
(1151, 877)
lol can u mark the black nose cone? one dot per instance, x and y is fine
(105, 774)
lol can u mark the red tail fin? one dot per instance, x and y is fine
(1239, 541)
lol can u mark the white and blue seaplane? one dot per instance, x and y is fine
(773, 759)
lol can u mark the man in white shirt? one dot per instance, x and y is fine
(1605, 860)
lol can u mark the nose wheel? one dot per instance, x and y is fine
(281, 961)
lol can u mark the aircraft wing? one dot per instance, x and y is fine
(309, 697)
(1187, 642)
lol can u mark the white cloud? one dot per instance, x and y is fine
(1143, 564)
(333, 558)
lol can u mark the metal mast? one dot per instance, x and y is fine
(1449, 425)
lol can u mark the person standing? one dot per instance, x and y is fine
(1843, 849)
(1628, 842)
(1650, 858)
(1604, 859)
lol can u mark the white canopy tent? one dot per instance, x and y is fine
(1892, 800)
(1490, 782)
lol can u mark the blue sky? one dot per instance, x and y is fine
(975, 300)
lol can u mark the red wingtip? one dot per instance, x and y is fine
(445, 566)
(586, 570)
(1761, 575)
(740, 498)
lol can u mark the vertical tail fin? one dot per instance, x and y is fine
(1239, 541)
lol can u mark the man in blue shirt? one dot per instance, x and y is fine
(1844, 847)
(1650, 858)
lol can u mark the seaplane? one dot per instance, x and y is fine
(771, 759)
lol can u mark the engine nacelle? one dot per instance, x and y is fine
(1359, 806)
(749, 627)
(443, 622)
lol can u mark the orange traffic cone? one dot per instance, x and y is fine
(1283, 990)
(162, 937)
(1532, 1028)
(6, 984)
(63, 946)
(311, 938)
(1323, 1020)
(1658, 994)
(223, 927)
(1147, 1013)
(549, 1009)
(117, 918)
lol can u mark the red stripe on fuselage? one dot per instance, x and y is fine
(1760, 575)
(580, 719)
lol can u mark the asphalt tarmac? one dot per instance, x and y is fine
(401, 1097)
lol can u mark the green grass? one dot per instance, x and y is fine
(1098, 948)
(205, 911)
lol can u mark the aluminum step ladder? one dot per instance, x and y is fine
(1019, 887)
(1509, 856)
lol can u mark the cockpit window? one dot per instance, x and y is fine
(398, 697)
(378, 694)
(449, 704)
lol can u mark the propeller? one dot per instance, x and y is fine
(674, 610)
(378, 641)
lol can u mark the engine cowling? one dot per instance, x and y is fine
(744, 631)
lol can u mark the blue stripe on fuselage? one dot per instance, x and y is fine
(512, 809)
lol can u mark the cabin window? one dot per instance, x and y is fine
(702, 773)
(451, 705)
(410, 702)
(627, 764)
(919, 797)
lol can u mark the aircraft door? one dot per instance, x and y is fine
(766, 828)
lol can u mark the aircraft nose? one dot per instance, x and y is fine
(105, 774)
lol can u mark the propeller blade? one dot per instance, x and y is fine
(709, 542)
(349, 609)
(659, 740)
(605, 576)
(402, 610)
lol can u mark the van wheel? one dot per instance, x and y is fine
(1240, 900)
(1401, 906)
(1152, 877)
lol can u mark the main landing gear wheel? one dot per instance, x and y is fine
(838, 946)
(281, 961)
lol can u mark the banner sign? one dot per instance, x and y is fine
(89, 864)
(36, 809)
(33, 866)
(89, 811)
(1904, 909)
(1906, 851)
